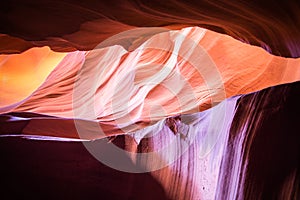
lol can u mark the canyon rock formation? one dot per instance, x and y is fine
(150, 99)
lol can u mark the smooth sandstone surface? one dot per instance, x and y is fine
(171, 73)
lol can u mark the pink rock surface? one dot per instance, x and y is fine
(171, 73)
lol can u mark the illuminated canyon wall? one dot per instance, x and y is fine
(152, 100)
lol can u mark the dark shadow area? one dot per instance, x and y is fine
(65, 170)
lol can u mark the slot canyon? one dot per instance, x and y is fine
(137, 99)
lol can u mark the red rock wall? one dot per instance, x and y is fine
(256, 157)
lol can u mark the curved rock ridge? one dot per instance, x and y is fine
(172, 73)
(70, 25)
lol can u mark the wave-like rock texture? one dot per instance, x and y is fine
(69, 25)
(171, 73)
(247, 147)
